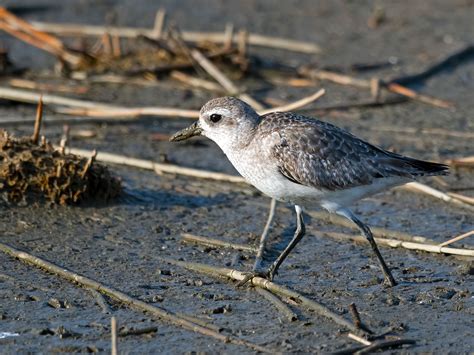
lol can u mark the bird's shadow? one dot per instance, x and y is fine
(157, 199)
(163, 198)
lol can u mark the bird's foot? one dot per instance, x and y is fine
(389, 280)
(271, 272)
(250, 275)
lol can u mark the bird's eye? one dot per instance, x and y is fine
(215, 117)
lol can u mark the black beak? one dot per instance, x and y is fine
(191, 131)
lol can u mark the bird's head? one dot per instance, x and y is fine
(228, 121)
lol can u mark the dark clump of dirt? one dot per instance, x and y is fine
(30, 172)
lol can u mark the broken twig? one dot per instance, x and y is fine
(226, 83)
(158, 25)
(113, 331)
(463, 198)
(359, 339)
(418, 187)
(343, 79)
(31, 35)
(140, 331)
(283, 308)
(34, 85)
(455, 239)
(89, 163)
(343, 106)
(431, 248)
(296, 104)
(215, 242)
(412, 94)
(195, 82)
(355, 315)
(465, 162)
(38, 119)
(384, 344)
(158, 167)
(379, 345)
(216, 37)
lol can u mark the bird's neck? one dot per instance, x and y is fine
(241, 140)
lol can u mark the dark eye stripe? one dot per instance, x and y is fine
(215, 117)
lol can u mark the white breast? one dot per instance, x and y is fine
(257, 165)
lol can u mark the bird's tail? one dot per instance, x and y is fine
(415, 167)
(429, 168)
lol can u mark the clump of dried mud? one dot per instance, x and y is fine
(39, 173)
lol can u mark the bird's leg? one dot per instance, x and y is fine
(299, 233)
(368, 234)
(263, 238)
(273, 269)
(257, 267)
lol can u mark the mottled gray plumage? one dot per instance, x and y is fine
(321, 155)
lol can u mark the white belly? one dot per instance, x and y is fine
(261, 172)
(267, 178)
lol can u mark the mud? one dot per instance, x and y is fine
(120, 244)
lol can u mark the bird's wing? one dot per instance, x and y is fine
(318, 154)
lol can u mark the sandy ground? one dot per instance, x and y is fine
(120, 244)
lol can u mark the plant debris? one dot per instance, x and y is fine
(31, 173)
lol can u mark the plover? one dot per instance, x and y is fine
(306, 162)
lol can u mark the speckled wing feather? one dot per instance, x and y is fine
(318, 154)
